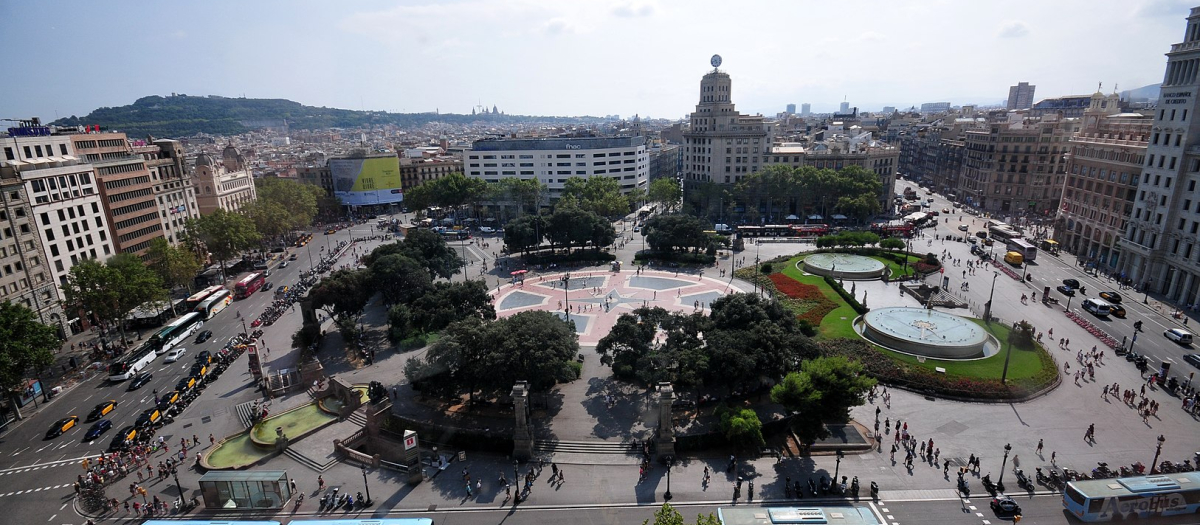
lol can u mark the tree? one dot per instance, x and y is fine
(299, 202)
(25, 345)
(430, 249)
(451, 191)
(570, 226)
(110, 291)
(224, 234)
(600, 195)
(669, 232)
(175, 266)
(524, 232)
(400, 279)
(892, 244)
(271, 219)
(667, 515)
(741, 427)
(824, 389)
(666, 192)
(439, 307)
(345, 292)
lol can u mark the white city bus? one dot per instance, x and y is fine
(1133, 497)
(176, 332)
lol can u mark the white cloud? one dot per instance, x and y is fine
(633, 9)
(1013, 29)
(872, 36)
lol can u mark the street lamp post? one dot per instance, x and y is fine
(671, 462)
(245, 331)
(175, 473)
(566, 281)
(987, 308)
(1000, 482)
(367, 503)
(1157, 451)
(1069, 297)
(837, 467)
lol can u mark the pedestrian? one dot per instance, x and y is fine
(1039, 447)
(1053, 455)
(211, 440)
(561, 479)
(292, 482)
(320, 482)
(553, 469)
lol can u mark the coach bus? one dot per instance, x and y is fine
(176, 332)
(377, 521)
(248, 285)
(810, 230)
(1003, 233)
(192, 302)
(770, 230)
(1133, 497)
(215, 303)
(132, 363)
(1026, 248)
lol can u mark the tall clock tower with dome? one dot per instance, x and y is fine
(720, 144)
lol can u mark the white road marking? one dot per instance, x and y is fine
(51, 518)
(64, 505)
(980, 514)
(19, 451)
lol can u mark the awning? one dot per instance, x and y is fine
(792, 217)
(815, 217)
(839, 217)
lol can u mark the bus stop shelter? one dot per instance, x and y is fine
(245, 490)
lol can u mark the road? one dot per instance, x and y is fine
(36, 474)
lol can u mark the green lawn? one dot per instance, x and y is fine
(1024, 364)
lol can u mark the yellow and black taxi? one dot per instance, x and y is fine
(185, 384)
(102, 410)
(148, 418)
(1116, 309)
(1111, 296)
(200, 369)
(62, 426)
(124, 439)
(166, 400)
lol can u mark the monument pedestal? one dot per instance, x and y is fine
(522, 434)
(664, 438)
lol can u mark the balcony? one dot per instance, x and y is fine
(1186, 46)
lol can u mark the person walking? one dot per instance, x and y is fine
(1039, 447)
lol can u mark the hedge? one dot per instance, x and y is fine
(676, 257)
(575, 256)
(850, 300)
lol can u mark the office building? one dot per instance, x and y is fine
(126, 190)
(935, 107)
(666, 160)
(1062, 107)
(722, 145)
(791, 109)
(317, 176)
(1160, 241)
(1020, 96)
(64, 195)
(888, 110)
(805, 109)
(225, 185)
(415, 171)
(844, 108)
(554, 160)
(1102, 180)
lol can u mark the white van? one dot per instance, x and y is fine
(1097, 307)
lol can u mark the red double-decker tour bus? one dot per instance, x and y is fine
(248, 285)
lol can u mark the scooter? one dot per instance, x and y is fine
(1023, 480)
(812, 487)
(796, 488)
(987, 483)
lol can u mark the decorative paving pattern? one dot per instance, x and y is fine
(598, 298)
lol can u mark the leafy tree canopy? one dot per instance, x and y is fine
(344, 292)
(824, 389)
(438, 308)
(667, 515)
(525, 232)
(676, 232)
(425, 247)
(666, 192)
(25, 345)
(224, 234)
(113, 289)
(600, 195)
(400, 278)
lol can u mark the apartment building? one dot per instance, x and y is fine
(1020, 96)
(1161, 237)
(174, 193)
(125, 187)
(415, 171)
(67, 208)
(226, 185)
(1016, 167)
(1102, 180)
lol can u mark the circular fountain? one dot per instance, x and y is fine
(927, 333)
(844, 266)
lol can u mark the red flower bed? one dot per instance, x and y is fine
(806, 297)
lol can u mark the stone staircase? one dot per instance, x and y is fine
(245, 413)
(586, 447)
(309, 462)
(357, 418)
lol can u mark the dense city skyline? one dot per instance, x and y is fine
(415, 57)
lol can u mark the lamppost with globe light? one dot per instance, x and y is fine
(1157, 451)
(1000, 482)
(367, 503)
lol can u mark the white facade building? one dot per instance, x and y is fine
(554, 160)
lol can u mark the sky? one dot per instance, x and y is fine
(575, 57)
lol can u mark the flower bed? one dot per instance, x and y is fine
(807, 300)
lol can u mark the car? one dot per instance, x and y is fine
(1066, 290)
(1005, 505)
(204, 357)
(185, 384)
(148, 418)
(199, 369)
(1193, 359)
(260, 265)
(175, 354)
(100, 427)
(988, 241)
(283, 264)
(102, 410)
(204, 336)
(293, 257)
(1179, 335)
(139, 381)
(934, 213)
(330, 231)
(61, 426)
(931, 199)
(268, 285)
(637, 229)
(972, 240)
(963, 227)
(166, 400)
(945, 210)
(123, 439)
(1116, 310)
(1111, 296)
(487, 229)
(1071, 282)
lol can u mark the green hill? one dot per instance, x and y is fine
(182, 116)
